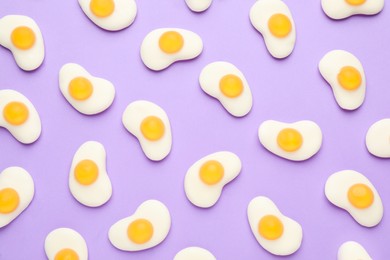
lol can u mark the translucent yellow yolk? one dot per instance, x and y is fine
(66, 254)
(270, 227)
(9, 200)
(140, 231)
(355, 2)
(171, 42)
(152, 128)
(80, 88)
(349, 78)
(86, 172)
(360, 196)
(102, 8)
(279, 25)
(231, 86)
(211, 172)
(15, 113)
(23, 37)
(289, 139)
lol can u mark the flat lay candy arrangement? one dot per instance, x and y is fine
(194, 129)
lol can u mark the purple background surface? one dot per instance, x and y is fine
(287, 90)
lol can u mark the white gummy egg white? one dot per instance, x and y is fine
(340, 9)
(87, 94)
(146, 228)
(164, 46)
(273, 19)
(22, 36)
(16, 193)
(225, 82)
(111, 15)
(65, 243)
(353, 192)
(194, 253)
(19, 116)
(296, 141)
(88, 179)
(345, 74)
(264, 215)
(198, 5)
(206, 178)
(352, 250)
(150, 125)
(378, 138)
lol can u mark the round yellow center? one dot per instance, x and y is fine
(102, 8)
(349, 78)
(152, 128)
(279, 25)
(86, 172)
(23, 37)
(171, 42)
(9, 200)
(66, 254)
(270, 227)
(15, 113)
(355, 2)
(231, 86)
(289, 139)
(211, 172)
(360, 196)
(80, 88)
(140, 231)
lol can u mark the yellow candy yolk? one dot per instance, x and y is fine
(140, 231)
(102, 8)
(15, 113)
(360, 196)
(211, 172)
(171, 42)
(66, 254)
(279, 25)
(231, 86)
(270, 227)
(349, 78)
(152, 128)
(289, 139)
(86, 172)
(23, 37)
(9, 200)
(355, 2)
(80, 88)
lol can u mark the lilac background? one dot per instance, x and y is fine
(287, 90)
